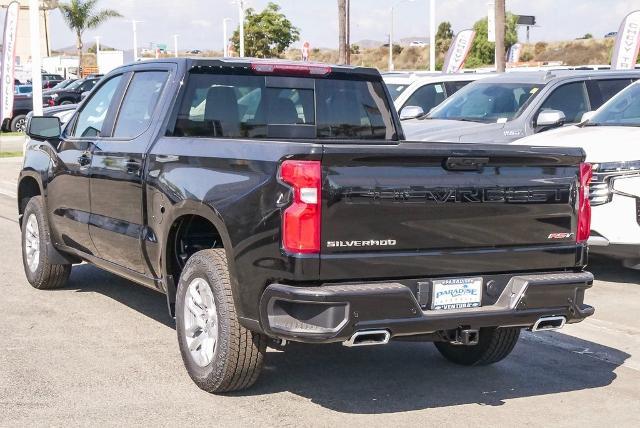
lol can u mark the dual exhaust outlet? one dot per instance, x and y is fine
(463, 337)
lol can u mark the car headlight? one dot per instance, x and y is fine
(54, 96)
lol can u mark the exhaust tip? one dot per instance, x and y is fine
(549, 323)
(368, 338)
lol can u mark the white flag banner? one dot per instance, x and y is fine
(513, 56)
(625, 51)
(458, 51)
(491, 22)
(8, 60)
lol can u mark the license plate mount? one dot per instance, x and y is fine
(456, 293)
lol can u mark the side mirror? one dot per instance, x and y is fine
(587, 116)
(550, 119)
(411, 112)
(84, 95)
(44, 128)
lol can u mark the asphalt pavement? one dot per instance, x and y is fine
(103, 351)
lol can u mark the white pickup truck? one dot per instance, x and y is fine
(611, 138)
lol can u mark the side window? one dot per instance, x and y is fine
(139, 103)
(427, 97)
(94, 112)
(607, 89)
(88, 85)
(571, 99)
(453, 87)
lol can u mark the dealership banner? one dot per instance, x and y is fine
(514, 53)
(8, 60)
(625, 51)
(458, 51)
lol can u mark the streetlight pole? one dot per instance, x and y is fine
(391, 34)
(135, 39)
(432, 35)
(225, 39)
(36, 62)
(241, 21)
(175, 45)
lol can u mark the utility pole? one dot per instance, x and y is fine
(175, 45)
(241, 19)
(342, 31)
(348, 31)
(225, 39)
(500, 29)
(432, 35)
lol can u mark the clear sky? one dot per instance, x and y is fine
(199, 22)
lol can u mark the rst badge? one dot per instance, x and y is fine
(560, 236)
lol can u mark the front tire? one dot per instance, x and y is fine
(40, 272)
(219, 354)
(494, 345)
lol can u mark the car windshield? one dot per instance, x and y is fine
(486, 102)
(621, 110)
(75, 84)
(395, 89)
(63, 84)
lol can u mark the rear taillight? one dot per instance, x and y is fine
(584, 205)
(301, 220)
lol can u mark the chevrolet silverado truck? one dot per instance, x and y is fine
(278, 201)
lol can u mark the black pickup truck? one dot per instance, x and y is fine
(276, 201)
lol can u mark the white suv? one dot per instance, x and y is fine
(610, 138)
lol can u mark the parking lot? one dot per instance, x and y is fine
(103, 351)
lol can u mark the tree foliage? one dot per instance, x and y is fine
(483, 51)
(266, 34)
(444, 35)
(81, 15)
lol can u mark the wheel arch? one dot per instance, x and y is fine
(209, 232)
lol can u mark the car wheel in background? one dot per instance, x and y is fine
(19, 123)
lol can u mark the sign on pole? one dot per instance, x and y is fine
(458, 51)
(513, 56)
(8, 60)
(491, 22)
(625, 51)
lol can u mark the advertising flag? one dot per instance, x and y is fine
(625, 51)
(458, 51)
(8, 60)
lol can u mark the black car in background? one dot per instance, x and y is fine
(71, 94)
(51, 80)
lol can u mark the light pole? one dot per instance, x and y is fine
(225, 40)
(135, 39)
(97, 46)
(391, 33)
(36, 63)
(175, 45)
(432, 35)
(241, 21)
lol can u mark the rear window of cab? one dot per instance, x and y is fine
(250, 106)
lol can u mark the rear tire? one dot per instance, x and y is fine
(494, 345)
(18, 123)
(40, 272)
(219, 354)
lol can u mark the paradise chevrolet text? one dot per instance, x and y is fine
(277, 201)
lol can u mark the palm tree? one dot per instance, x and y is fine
(80, 15)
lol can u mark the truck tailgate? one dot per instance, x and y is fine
(425, 209)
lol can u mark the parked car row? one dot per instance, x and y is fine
(524, 108)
